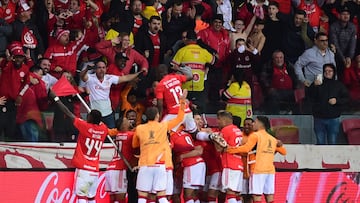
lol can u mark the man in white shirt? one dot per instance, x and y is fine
(99, 86)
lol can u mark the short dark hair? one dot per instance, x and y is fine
(177, 3)
(224, 114)
(319, 34)
(300, 12)
(259, 21)
(161, 71)
(149, 2)
(265, 121)
(151, 113)
(42, 59)
(191, 35)
(248, 119)
(239, 40)
(274, 3)
(35, 68)
(218, 17)
(154, 18)
(95, 116)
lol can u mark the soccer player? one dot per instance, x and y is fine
(262, 178)
(232, 163)
(248, 160)
(154, 149)
(194, 166)
(92, 134)
(168, 92)
(115, 175)
(212, 160)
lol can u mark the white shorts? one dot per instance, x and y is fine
(151, 178)
(188, 121)
(245, 187)
(116, 181)
(194, 176)
(262, 184)
(232, 179)
(169, 182)
(85, 183)
(213, 182)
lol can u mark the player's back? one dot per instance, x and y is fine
(265, 152)
(169, 89)
(153, 142)
(90, 141)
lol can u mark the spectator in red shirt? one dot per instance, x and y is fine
(279, 81)
(217, 38)
(34, 99)
(12, 79)
(63, 54)
(7, 10)
(122, 45)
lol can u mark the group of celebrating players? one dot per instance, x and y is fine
(178, 155)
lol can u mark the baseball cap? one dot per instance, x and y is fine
(344, 9)
(16, 49)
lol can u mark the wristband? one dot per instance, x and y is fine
(22, 92)
(56, 99)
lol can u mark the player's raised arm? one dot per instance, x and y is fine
(180, 116)
(62, 107)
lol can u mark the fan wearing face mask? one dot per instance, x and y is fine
(242, 59)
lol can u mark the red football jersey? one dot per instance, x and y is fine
(233, 135)
(211, 157)
(89, 143)
(169, 89)
(123, 141)
(183, 143)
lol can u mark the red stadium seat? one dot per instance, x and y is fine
(299, 95)
(280, 121)
(211, 121)
(353, 136)
(351, 128)
(288, 134)
(285, 130)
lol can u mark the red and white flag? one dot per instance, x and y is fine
(63, 87)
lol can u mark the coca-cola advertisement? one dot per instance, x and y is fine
(42, 172)
(43, 187)
(291, 187)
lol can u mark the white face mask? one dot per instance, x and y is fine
(241, 49)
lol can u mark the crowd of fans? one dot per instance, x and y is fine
(272, 47)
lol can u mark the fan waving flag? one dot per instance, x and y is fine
(63, 87)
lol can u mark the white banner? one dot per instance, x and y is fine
(44, 155)
(58, 156)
